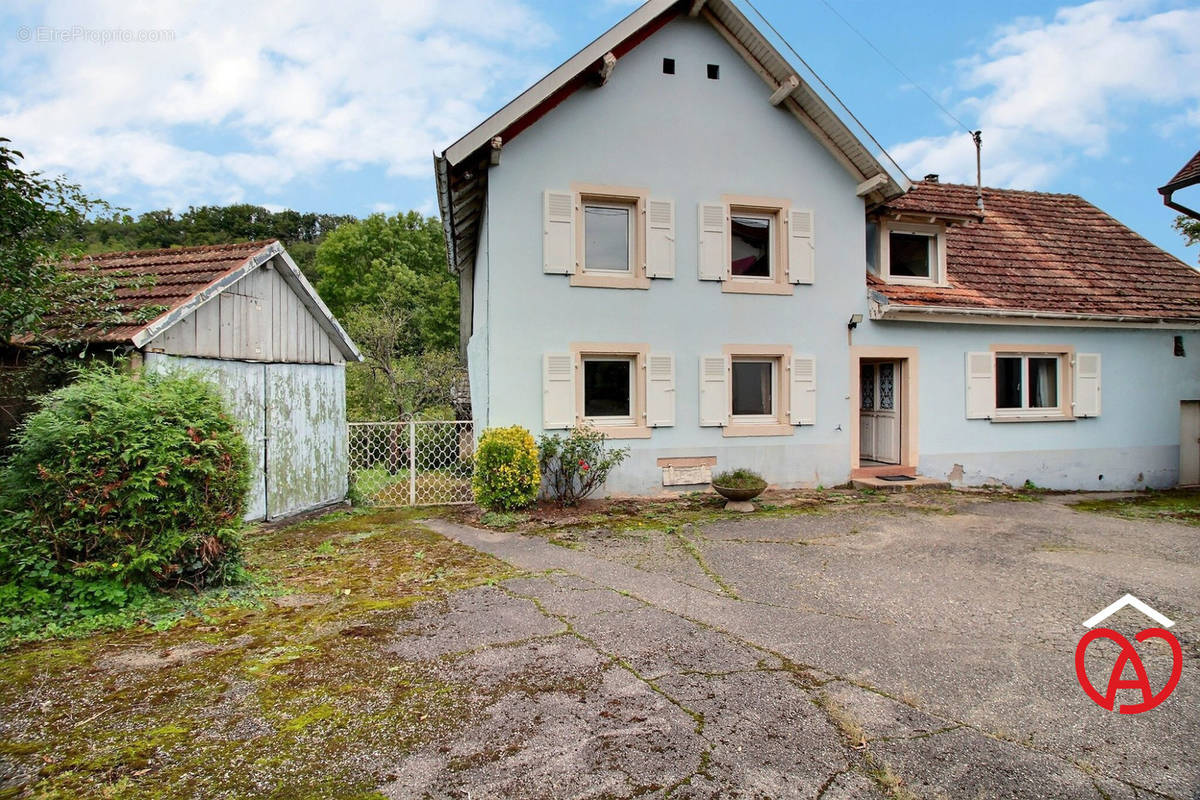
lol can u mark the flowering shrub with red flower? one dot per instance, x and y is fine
(575, 465)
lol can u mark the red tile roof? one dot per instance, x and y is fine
(151, 283)
(1188, 176)
(1055, 253)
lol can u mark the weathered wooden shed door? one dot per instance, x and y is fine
(1189, 443)
(306, 445)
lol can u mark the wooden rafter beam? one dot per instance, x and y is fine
(787, 87)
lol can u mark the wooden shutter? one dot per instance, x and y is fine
(558, 233)
(660, 390)
(714, 394)
(804, 390)
(713, 240)
(1087, 384)
(801, 254)
(981, 386)
(558, 390)
(660, 239)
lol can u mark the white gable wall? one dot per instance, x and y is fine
(689, 139)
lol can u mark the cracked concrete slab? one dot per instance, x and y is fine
(960, 624)
(471, 619)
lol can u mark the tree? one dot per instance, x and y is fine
(35, 212)
(300, 232)
(391, 383)
(1190, 228)
(393, 265)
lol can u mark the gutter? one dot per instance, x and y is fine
(1169, 190)
(441, 171)
(881, 309)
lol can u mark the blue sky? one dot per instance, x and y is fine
(337, 107)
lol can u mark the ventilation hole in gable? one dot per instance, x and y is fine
(714, 72)
(668, 66)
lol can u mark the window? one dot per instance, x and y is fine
(608, 390)
(1027, 383)
(609, 236)
(751, 245)
(610, 244)
(753, 390)
(910, 253)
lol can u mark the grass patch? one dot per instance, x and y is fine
(289, 695)
(1173, 505)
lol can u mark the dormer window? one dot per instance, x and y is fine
(912, 253)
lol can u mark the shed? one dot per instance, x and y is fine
(245, 317)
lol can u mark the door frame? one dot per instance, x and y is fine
(1189, 433)
(909, 409)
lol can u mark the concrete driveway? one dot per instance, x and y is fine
(875, 651)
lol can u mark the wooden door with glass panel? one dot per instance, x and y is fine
(879, 411)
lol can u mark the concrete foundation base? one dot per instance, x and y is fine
(745, 506)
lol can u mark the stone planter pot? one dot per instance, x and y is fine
(739, 499)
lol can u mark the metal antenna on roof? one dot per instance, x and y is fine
(977, 136)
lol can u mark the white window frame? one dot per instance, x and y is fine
(629, 206)
(776, 371)
(937, 252)
(1063, 362)
(616, 422)
(773, 222)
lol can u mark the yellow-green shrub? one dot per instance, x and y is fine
(506, 473)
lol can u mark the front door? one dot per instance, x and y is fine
(1189, 442)
(879, 416)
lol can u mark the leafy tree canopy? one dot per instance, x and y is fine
(35, 214)
(1190, 228)
(392, 268)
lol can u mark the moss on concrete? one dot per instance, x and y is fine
(296, 696)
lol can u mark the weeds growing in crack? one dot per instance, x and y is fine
(695, 553)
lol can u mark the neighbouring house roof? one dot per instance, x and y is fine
(1188, 176)
(1041, 255)
(155, 289)
(461, 170)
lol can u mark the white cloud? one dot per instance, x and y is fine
(246, 96)
(1047, 93)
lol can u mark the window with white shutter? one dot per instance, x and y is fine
(558, 391)
(713, 239)
(660, 239)
(1087, 384)
(804, 390)
(610, 391)
(558, 233)
(981, 386)
(660, 390)
(714, 392)
(801, 252)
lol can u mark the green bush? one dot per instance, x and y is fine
(739, 479)
(578, 464)
(117, 487)
(506, 469)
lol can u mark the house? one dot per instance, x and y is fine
(674, 237)
(1188, 176)
(243, 316)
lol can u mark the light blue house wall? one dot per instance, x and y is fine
(1134, 443)
(691, 139)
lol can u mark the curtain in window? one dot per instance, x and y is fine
(1043, 382)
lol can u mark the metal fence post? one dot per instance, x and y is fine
(412, 462)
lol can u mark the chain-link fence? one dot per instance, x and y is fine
(414, 463)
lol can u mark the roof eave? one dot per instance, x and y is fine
(883, 309)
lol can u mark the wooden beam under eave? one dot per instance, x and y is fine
(871, 184)
(607, 64)
(787, 87)
(694, 11)
(494, 154)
